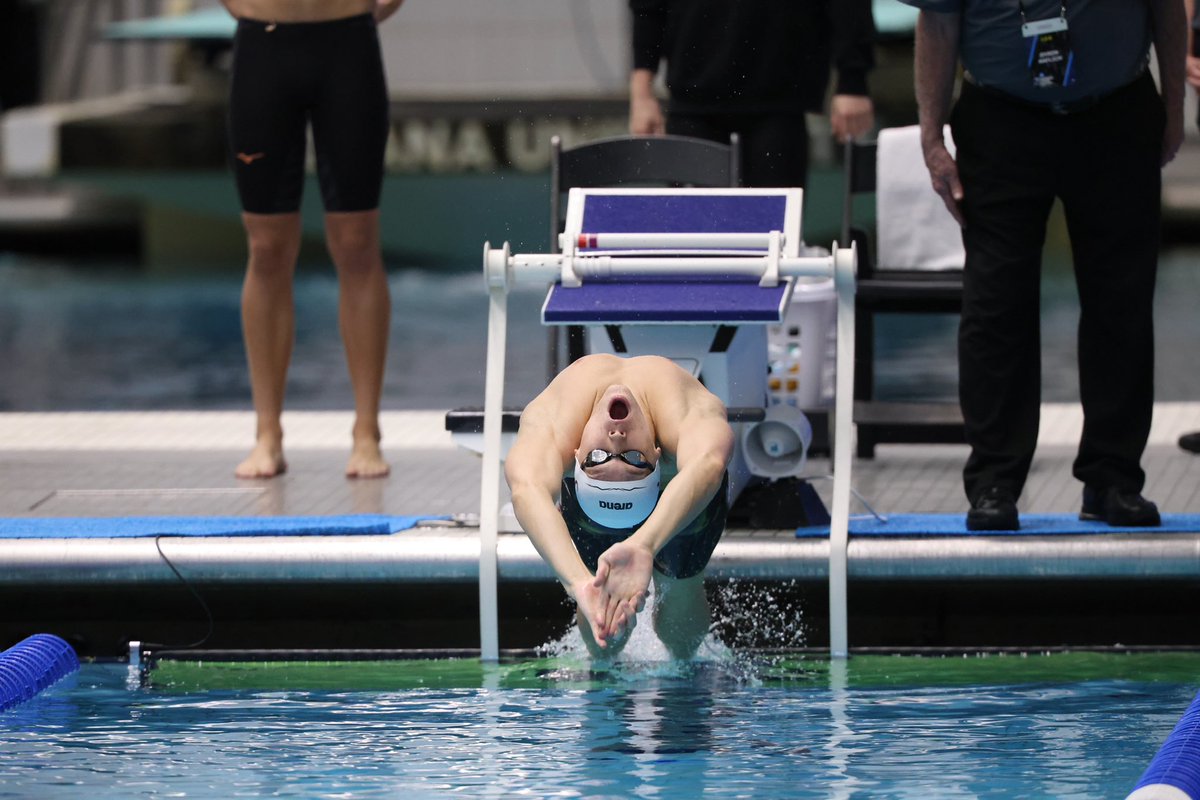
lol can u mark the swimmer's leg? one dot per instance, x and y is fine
(681, 613)
(364, 313)
(268, 328)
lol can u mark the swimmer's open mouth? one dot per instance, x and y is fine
(618, 409)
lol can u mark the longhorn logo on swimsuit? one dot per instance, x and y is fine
(615, 506)
(249, 158)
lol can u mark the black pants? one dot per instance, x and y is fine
(1104, 165)
(774, 146)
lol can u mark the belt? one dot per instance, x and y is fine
(1061, 108)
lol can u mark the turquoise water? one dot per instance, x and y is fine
(103, 338)
(554, 727)
(87, 337)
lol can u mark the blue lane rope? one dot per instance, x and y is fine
(33, 664)
(1174, 771)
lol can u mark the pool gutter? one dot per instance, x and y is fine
(436, 556)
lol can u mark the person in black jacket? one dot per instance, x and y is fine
(753, 67)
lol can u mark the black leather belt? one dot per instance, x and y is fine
(1062, 108)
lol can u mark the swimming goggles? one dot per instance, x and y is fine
(633, 458)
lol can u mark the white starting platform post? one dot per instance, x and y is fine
(694, 275)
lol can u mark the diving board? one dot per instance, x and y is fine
(691, 274)
(203, 25)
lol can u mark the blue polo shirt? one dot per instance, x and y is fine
(1110, 40)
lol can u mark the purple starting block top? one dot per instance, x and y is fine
(683, 213)
(649, 301)
(700, 300)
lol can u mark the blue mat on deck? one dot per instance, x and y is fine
(1031, 525)
(132, 527)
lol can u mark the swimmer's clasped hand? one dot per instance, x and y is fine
(593, 603)
(623, 577)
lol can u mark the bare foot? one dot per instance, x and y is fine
(366, 460)
(264, 461)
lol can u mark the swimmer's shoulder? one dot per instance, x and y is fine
(658, 373)
(597, 370)
(657, 369)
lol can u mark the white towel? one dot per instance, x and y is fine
(915, 231)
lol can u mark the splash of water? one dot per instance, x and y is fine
(762, 623)
(748, 617)
(759, 615)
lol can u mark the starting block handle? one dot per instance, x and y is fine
(495, 266)
(503, 269)
(845, 264)
(649, 241)
(770, 274)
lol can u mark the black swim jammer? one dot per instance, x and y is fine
(287, 75)
(685, 556)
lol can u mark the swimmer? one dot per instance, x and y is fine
(618, 475)
(296, 62)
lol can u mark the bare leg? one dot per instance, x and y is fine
(268, 328)
(681, 614)
(364, 313)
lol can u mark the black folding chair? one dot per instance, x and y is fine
(892, 291)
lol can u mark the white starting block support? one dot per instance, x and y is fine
(659, 263)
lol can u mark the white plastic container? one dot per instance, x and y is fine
(802, 351)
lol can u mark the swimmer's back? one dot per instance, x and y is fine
(671, 398)
(646, 373)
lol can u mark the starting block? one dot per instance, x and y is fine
(694, 275)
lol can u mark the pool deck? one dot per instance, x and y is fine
(58, 465)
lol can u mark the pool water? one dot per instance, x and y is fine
(89, 337)
(76, 339)
(1055, 726)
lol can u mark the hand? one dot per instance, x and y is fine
(1172, 137)
(623, 575)
(943, 173)
(646, 117)
(593, 604)
(1193, 72)
(851, 116)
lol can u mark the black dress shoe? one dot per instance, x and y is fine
(1119, 508)
(993, 510)
(1190, 442)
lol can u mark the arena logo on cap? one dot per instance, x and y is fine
(637, 498)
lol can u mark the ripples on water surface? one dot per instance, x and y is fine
(555, 726)
(74, 338)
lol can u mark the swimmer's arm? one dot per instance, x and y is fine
(534, 469)
(702, 453)
(625, 569)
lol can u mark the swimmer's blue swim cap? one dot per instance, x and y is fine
(617, 504)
